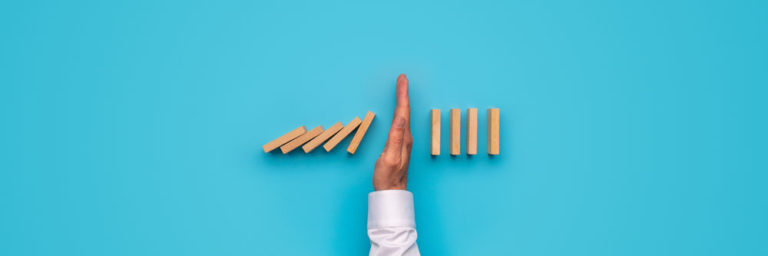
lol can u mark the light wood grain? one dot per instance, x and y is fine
(360, 132)
(342, 134)
(312, 144)
(455, 131)
(272, 145)
(493, 131)
(295, 143)
(435, 132)
(472, 131)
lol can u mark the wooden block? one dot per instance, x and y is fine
(435, 132)
(360, 132)
(472, 131)
(342, 134)
(455, 131)
(284, 139)
(493, 131)
(312, 144)
(295, 143)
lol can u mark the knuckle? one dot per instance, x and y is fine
(381, 159)
(397, 140)
(391, 160)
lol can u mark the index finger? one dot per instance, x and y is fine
(403, 107)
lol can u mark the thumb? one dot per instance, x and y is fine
(395, 141)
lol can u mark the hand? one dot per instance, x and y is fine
(391, 170)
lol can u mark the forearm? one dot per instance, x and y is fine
(391, 223)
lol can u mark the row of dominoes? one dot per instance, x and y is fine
(313, 138)
(455, 131)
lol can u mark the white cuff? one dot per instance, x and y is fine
(390, 208)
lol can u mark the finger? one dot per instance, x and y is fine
(394, 145)
(403, 107)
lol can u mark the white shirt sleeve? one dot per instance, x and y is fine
(391, 223)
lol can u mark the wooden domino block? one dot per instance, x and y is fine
(312, 144)
(472, 131)
(360, 132)
(342, 134)
(295, 143)
(455, 131)
(493, 131)
(435, 132)
(272, 145)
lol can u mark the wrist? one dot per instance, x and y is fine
(379, 187)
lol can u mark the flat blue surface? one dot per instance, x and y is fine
(135, 127)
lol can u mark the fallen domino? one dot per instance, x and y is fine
(342, 134)
(309, 140)
(272, 145)
(360, 132)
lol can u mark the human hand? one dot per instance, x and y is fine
(391, 170)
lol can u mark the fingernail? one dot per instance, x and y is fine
(401, 78)
(399, 122)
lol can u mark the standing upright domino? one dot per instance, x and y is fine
(284, 139)
(455, 131)
(493, 131)
(435, 132)
(360, 132)
(342, 134)
(472, 131)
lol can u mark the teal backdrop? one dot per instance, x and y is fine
(134, 127)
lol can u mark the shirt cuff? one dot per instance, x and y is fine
(390, 208)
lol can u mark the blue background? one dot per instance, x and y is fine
(628, 128)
